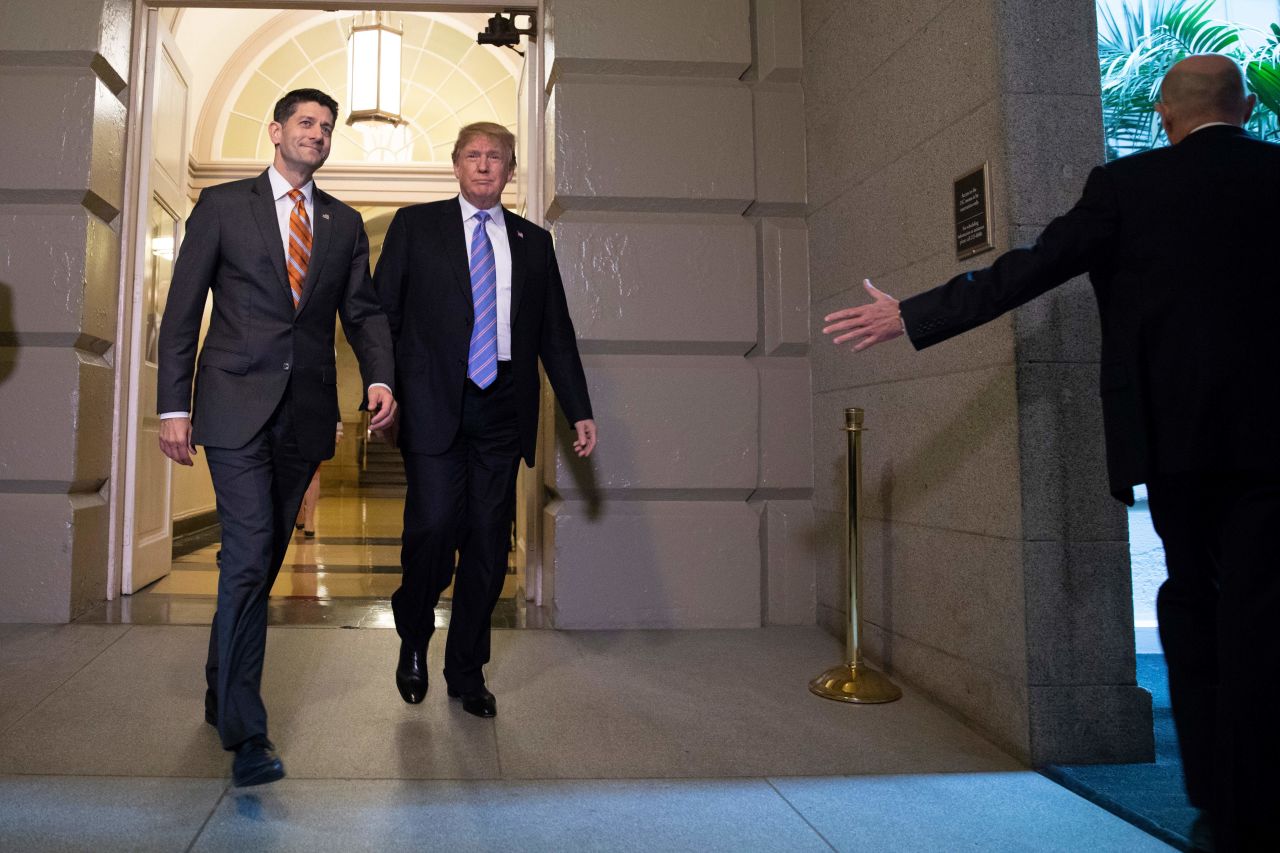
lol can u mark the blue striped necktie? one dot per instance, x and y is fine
(482, 360)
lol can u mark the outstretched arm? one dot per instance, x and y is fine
(867, 325)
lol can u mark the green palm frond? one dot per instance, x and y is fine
(1193, 30)
(1138, 45)
(1263, 71)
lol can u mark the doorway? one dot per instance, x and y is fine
(208, 121)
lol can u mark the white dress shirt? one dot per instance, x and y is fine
(496, 228)
(1210, 124)
(284, 207)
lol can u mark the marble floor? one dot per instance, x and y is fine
(604, 740)
(343, 577)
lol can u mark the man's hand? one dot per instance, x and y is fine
(874, 323)
(586, 440)
(175, 440)
(382, 407)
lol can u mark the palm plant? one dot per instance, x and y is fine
(1136, 48)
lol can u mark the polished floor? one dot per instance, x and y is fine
(604, 740)
(609, 740)
(343, 577)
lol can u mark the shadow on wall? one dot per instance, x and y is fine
(582, 470)
(884, 652)
(611, 572)
(8, 334)
(900, 485)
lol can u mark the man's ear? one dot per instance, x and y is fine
(1163, 111)
(1249, 103)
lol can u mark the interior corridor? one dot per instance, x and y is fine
(343, 577)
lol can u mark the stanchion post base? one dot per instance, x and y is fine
(859, 684)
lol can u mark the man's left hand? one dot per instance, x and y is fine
(382, 407)
(586, 440)
(874, 323)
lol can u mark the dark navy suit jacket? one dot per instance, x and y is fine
(1180, 244)
(424, 281)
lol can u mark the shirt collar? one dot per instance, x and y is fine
(280, 187)
(1211, 124)
(469, 210)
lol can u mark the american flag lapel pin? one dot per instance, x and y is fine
(520, 234)
(324, 216)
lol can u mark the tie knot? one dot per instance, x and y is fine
(296, 196)
(482, 216)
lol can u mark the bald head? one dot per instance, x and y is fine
(1204, 88)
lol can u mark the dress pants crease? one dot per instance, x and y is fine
(457, 521)
(259, 488)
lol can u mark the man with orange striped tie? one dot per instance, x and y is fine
(281, 259)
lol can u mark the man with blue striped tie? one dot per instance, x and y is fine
(475, 301)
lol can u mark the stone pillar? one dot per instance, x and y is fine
(997, 564)
(61, 191)
(675, 188)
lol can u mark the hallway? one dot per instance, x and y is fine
(343, 577)
(606, 740)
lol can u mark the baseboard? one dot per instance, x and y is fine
(195, 532)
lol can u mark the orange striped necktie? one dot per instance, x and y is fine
(299, 244)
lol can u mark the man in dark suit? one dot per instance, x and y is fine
(266, 396)
(1179, 244)
(475, 301)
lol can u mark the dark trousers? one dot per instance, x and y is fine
(259, 488)
(461, 502)
(1221, 536)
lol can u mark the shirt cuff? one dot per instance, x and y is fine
(379, 385)
(164, 416)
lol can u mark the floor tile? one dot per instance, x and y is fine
(553, 816)
(988, 812)
(46, 814)
(136, 710)
(705, 704)
(335, 712)
(35, 659)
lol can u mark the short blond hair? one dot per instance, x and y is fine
(505, 138)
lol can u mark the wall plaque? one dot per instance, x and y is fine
(973, 214)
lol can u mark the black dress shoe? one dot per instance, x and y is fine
(256, 763)
(411, 674)
(480, 703)
(211, 708)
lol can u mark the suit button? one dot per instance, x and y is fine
(286, 365)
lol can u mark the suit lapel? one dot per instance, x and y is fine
(321, 231)
(515, 239)
(264, 212)
(455, 247)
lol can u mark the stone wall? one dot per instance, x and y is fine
(61, 194)
(675, 136)
(997, 565)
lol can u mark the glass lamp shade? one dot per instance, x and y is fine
(373, 73)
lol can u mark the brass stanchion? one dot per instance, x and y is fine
(854, 681)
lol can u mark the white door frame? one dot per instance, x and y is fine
(137, 128)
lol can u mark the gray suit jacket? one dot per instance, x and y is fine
(257, 343)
